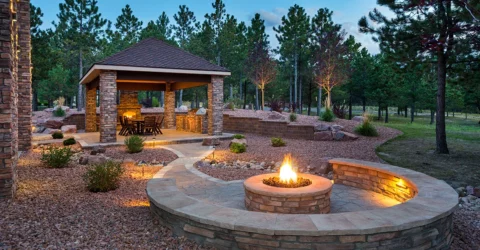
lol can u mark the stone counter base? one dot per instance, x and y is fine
(436, 235)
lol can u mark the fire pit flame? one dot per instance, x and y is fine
(287, 174)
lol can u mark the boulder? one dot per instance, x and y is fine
(51, 131)
(344, 136)
(93, 159)
(476, 192)
(201, 111)
(358, 118)
(322, 127)
(322, 136)
(98, 150)
(211, 142)
(321, 166)
(337, 127)
(240, 141)
(54, 124)
(69, 129)
(274, 115)
(182, 108)
(38, 129)
(469, 190)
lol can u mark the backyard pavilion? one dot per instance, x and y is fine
(150, 65)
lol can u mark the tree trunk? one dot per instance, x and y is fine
(406, 111)
(34, 100)
(398, 111)
(300, 100)
(263, 97)
(80, 87)
(441, 134)
(231, 92)
(256, 97)
(328, 102)
(386, 114)
(244, 94)
(162, 98)
(350, 107)
(291, 91)
(379, 112)
(432, 116)
(180, 98)
(319, 101)
(295, 89)
(364, 103)
(412, 112)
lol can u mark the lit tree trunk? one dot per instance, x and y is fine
(263, 96)
(256, 97)
(319, 101)
(80, 87)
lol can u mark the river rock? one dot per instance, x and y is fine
(344, 136)
(274, 115)
(201, 111)
(98, 150)
(337, 127)
(322, 127)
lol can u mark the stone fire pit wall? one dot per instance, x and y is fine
(424, 222)
(312, 199)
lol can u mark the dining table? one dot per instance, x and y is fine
(139, 122)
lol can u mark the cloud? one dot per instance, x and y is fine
(272, 18)
(364, 39)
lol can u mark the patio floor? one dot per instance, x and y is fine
(169, 136)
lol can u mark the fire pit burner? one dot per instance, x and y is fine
(276, 182)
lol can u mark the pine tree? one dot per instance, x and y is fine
(292, 35)
(128, 26)
(216, 20)
(435, 27)
(80, 25)
(160, 29)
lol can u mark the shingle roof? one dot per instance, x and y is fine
(154, 53)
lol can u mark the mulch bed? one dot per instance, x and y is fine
(53, 210)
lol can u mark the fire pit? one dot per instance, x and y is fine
(288, 192)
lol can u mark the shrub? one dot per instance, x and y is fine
(103, 177)
(134, 144)
(69, 141)
(327, 115)
(239, 136)
(155, 102)
(278, 142)
(56, 157)
(276, 105)
(59, 112)
(238, 148)
(146, 103)
(293, 117)
(366, 128)
(57, 135)
(340, 111)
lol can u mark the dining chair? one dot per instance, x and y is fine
(150, 125)
(158, 124)
(130, 128)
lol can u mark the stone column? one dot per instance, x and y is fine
(108, 106)
(215, 106)
(169, 107)
(8, 99)
(24, 78)
(91, 110)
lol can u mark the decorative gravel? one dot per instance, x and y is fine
(53, 210)
(466, 230)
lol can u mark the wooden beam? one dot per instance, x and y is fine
(132, 76)
(187, 85)
(143, 81)
(140, 86)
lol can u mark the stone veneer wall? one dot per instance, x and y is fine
(192, 123)
(215, 106)
(435, 235)
(370, 179)
(15, 116)
(129, 103)
(319, 204)
(267, 128)
(88, 122)
(108, 107)
(169, 105)
(24, 78)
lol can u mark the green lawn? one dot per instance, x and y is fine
(415, 148)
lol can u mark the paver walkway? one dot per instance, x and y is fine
(231, 194)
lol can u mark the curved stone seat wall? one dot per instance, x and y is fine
(422, 222)
(360, 175)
